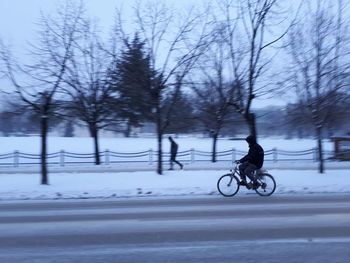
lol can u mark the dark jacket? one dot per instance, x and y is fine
(255, 154)
(173, 148)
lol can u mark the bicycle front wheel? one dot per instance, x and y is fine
(228, 185)
(267, 185)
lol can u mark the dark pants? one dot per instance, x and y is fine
(247, 169)
(173, 160)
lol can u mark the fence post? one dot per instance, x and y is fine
(16, 158)
(233, 154)
(107, 160)
(150, 156)
(192, 155)
(274, 155)
(62, 158)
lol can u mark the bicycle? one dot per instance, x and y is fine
(229, 184)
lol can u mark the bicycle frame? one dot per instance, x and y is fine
(235, 171)
(228, 184)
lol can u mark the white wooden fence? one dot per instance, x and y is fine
(63, 158)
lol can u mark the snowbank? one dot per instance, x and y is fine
(145, 183)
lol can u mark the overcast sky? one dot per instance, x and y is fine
(18, 18)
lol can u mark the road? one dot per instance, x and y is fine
(311, 228)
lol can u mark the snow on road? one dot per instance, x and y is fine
(197, 229)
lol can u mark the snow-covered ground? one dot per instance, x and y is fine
(196, 179)
(85, 144)
(174, 183)
(78, 151)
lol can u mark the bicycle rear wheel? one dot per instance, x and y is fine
(228, 185)
(267, 185)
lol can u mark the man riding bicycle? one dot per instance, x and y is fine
(251, 162)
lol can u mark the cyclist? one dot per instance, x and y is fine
(252, 161)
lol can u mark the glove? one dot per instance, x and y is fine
(237, 161)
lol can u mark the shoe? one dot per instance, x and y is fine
(170, 169)
(256, 185)
(249, 186)
(243, 183)
(181, 167)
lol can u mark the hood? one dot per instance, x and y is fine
(251, 139)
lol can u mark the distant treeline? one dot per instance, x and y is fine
(287, 121)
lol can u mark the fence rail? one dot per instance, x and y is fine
(63, 158)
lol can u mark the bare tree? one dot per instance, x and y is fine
(319, 69)
(214, 90)
(89, 96)
(173, 46)
(250, 31)
(213, 109)
(3, 55)
(37, 82)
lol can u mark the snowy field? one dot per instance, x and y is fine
(85, 144)
(196, 179)
(171, 183)
(123, 151)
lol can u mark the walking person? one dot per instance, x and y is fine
(252, 161)
(173, 152)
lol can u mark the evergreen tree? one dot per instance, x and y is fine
(131, 78)
(182, 115)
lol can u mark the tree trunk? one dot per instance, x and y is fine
(44, 125)
(213, 153)
(94, 135)
(250, 118)
(127, 131)
(159, 125)
(320, 150)
(300, 133)
(160, 154)
(330, 131)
